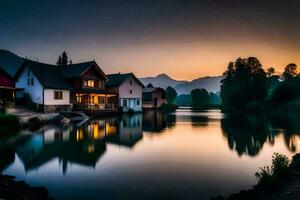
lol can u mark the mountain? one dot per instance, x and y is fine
(162, 80)
(210, 83)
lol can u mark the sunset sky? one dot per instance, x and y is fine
(183, 38)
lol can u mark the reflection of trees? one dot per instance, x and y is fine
(155, 121)
(246, 134)
(290, 126)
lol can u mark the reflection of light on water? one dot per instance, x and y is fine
(79, 134)
(110, 129)
(91, 148)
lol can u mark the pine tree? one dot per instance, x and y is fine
(59, 61)
(64, 58)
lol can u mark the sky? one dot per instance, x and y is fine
(185, 39)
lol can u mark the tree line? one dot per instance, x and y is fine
(247, 86)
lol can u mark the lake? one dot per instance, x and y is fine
(187, 154)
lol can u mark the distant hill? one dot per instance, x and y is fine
(162, 80)
(212, 84)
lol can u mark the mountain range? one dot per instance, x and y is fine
(210, 83)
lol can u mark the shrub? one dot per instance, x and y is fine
(269, 176)
(9, 123)
(130, 111)
(35, 122)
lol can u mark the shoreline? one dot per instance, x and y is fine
(287, 189)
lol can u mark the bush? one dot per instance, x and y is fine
(130, 111)
(9, 123)
(270, 176)
(35, 122)
(283, 93)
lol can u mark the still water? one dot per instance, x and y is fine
(183, 155)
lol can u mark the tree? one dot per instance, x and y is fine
(244, 82)
(171, 94)
(63, 59)
(290, 71)
(200, 97)
(58, 61)
(270, 72)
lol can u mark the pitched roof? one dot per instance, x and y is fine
(10, 62)
(152, 89)
(118, 79)
(50, 76)
(76, 70)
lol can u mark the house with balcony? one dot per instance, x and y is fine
(89, 92)
(128, 89)
(78, 86)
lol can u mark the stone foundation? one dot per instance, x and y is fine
(57, 108)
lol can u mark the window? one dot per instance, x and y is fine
(130, 82)
(32, 81)
(130, 91)
(101, 99)
(89, 83)
(137, 102)
(124, 102)
(58, 95)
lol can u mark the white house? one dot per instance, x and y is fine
(45, 85)
(129, 90)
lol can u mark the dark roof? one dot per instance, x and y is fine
(152, 89)
(10, 62)
(50, 76)
(118, 79)
(76, 70)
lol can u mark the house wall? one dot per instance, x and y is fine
(49, 97)
(35, 91)
(5, 80)
(155, 94)
(132, 98)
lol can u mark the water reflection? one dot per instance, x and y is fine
(186, 155)
(247, 134)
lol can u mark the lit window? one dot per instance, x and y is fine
(89, 83)
(58, 95)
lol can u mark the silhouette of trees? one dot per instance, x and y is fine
(63, 59)
(200, 97)
(171, 94)
(244, 82)
(290, 71)
(270, 72)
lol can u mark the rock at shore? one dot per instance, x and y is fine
(10, 189)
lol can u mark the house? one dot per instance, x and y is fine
(89, 92)
(128, 89)
(9, 64)
(78, 86)
(7, 88)
(45, 85)
(153, 97)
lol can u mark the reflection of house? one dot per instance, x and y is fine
(154, 121)
(153, 97)
(129, 131)
(78, 146)
(129, 90)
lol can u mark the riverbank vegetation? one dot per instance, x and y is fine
(246, 86)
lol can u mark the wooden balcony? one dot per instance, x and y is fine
(96, 108)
